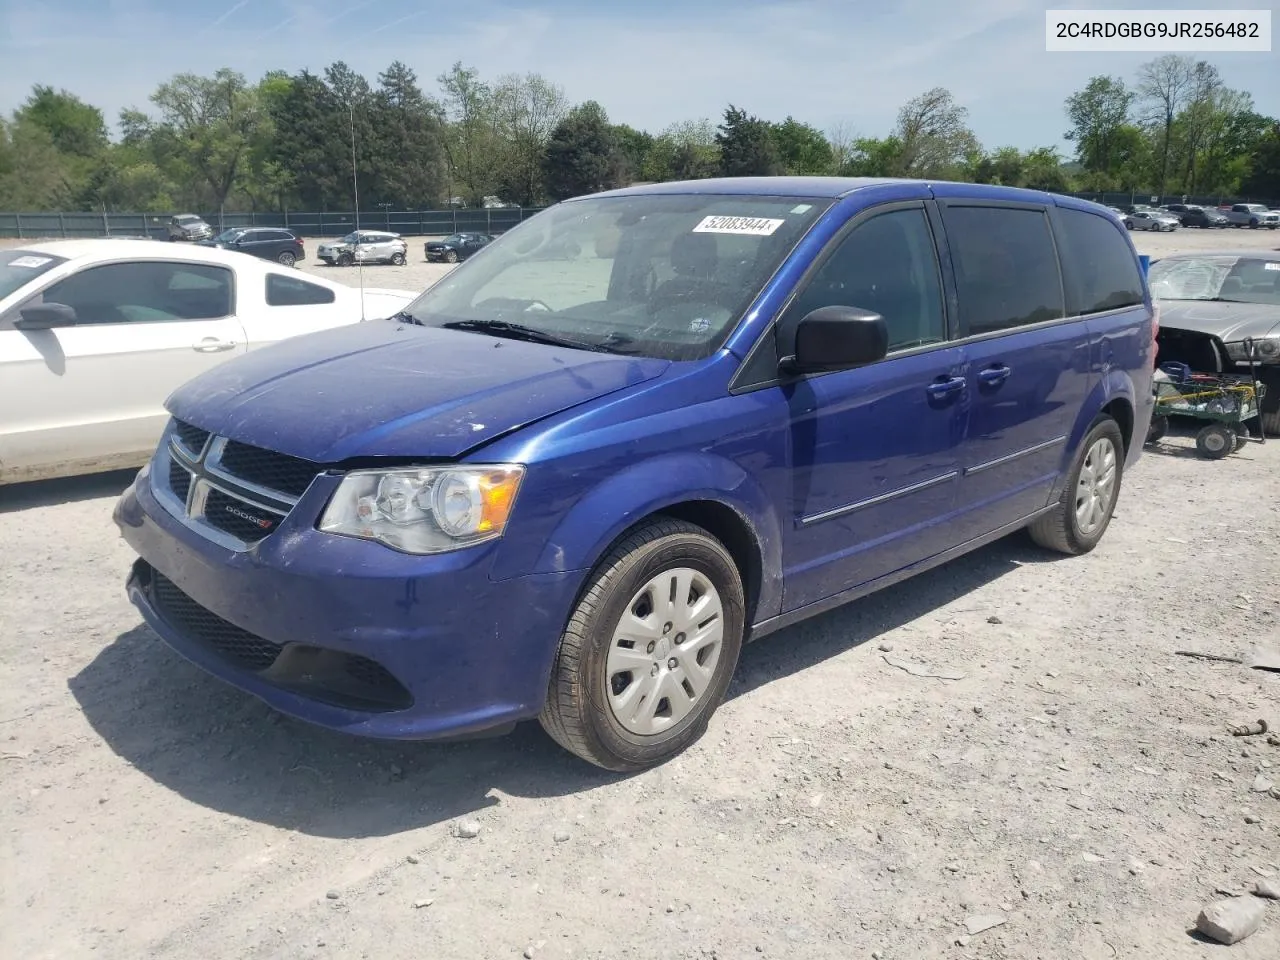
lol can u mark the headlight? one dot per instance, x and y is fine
(1265, 350)
(424, 509)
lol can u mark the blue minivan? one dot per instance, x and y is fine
(575, 475)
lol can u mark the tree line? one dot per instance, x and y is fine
(286, 142)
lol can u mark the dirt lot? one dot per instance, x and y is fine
(1078, 782)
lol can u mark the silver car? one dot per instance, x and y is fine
(364, 246)
(1158, 220)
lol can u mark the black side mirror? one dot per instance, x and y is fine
(45, 316)
(837, 338)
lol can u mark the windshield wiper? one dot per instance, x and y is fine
(518, 331)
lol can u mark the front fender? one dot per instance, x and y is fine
(619, 502)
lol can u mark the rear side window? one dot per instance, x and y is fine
(277, 235)
(291, 292)
(1006, 268)
(1100, 266)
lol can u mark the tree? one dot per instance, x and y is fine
(208, 124)
(74, 127)
(803, 149)
(933, 136)
(683, 151)
(471, 139)
(633, 148)
(1163, 86)
(408, 127)
(1097, 113)
(526, 109)
(33, 174)
(870, 157)
(747, 148)
(1263, 179)
(582, 154)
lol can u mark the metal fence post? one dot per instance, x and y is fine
(17, 219)
(62, 225)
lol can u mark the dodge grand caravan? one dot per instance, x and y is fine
(571, 489)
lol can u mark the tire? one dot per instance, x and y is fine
(1253, 224)
(588, 710)
(1242, 436)
(346, 260)
(1271, 424)
(287, 259)
(1159, 427)
(451, 256)
(1062, 529)
(1215, 441)
(397, 260)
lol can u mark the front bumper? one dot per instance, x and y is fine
(346, 634)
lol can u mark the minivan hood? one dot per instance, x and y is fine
(1225, 320)
(385, 389)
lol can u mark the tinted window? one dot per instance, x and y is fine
(20, 267)
(886, 264)
(277, 235)
(291, 292)
(1006, 268)
(145, 292)
(1103, 269)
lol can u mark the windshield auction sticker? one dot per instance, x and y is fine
(745, 226)
(34, 262)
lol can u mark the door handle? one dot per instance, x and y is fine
(994, 376)
(213, 345)
(944, 388)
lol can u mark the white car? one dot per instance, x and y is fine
(95, 335)
(365, 246)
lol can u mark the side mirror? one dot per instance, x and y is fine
(45, 316)
(837, 338)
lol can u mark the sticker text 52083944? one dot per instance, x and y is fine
(749, 226)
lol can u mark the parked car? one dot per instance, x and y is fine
(456, 247)
(1253, 215)
(1204, 218)
(268, 243)
(572, 493)
(1234, 296)
(94, 334)
(189, 227)
(1156, 220)
(364, 246)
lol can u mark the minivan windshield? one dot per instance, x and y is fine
(1216, 277)
(20, 267)
(657, 275)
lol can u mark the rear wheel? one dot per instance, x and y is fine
(287, 259)
(1088, 500)
(1271, 423)
(649, 652)
(1215, 441)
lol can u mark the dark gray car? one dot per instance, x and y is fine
(1234, 296)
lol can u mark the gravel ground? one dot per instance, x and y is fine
(1078, 783)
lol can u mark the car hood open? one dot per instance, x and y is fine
(1226, 320)
(386, 389)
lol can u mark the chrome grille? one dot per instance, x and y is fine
(233, 493)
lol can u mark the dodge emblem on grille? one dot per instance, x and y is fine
(256, 521)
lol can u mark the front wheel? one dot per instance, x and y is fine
(1159, 427)
(451, 256)
(397, 259)
(346, 260)
(1215, 441)
(650, 649)
(1083, 512)
(1253, 224)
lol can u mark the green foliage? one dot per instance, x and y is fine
(582, 155)
(286, 142)
(747, 147)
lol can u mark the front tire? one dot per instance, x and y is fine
(397, 259)
(451, 256)
(1159, 427)
(346, 260)
(650, 649)
(1216, 441)
(1088, 501)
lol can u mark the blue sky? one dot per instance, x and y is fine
(848, 63)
